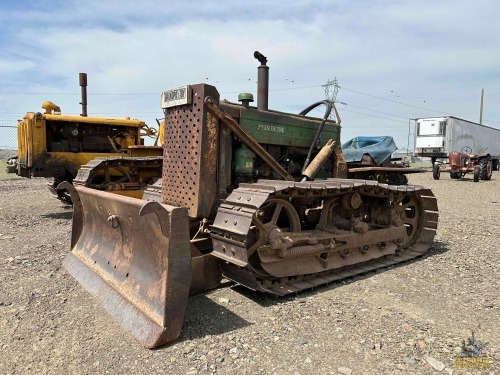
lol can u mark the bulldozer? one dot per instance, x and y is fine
(249, 194)
(56, 146)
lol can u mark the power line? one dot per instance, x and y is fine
(277, 89)
(331, 83)
(366, 114)
(384, 118)
(374, 110)
(409, 105)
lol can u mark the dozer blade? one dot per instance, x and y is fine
(135, 256)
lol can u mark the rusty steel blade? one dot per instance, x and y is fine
(135, 256)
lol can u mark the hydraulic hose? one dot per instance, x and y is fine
(329, 106)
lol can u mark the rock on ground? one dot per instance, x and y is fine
(390, 321)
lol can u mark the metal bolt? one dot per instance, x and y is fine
(113, 219)
(364, 249)
(344, 253)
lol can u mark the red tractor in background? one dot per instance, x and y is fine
(463, 162)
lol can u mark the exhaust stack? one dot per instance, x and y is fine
(83, 85)
(262, 82)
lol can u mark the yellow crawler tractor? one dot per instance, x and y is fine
(257, 196)
(56, 146)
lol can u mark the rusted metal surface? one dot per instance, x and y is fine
(360, 225)
(319, 160)
(393, 174)
(246, 138)
(143, 284)
(455, 159)
(207, 273)
(391, 177)
(190, 155)
(58, 188)
(77, 222)
(120, 173)
(387, 169)
(83, 85)
(340, 168)
(262, 82)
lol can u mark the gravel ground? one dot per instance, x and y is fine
(408, 319)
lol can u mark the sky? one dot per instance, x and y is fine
(394, 61)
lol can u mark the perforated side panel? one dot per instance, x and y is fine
(190, 155)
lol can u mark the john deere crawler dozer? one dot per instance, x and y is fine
(257, 196)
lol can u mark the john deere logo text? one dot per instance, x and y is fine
(271, 128)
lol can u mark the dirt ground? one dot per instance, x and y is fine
(408, 319)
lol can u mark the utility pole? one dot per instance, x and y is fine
(481, 108)
(408, 147)
(331, 91)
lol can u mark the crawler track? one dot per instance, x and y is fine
(254, 256)
(120, 173)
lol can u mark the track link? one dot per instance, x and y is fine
(235, 223)
(120, 173)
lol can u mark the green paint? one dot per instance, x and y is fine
(243, 160)
(286, 129)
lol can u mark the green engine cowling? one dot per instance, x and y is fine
(287, 137)
(286, 129)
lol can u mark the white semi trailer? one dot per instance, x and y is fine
(436, 137)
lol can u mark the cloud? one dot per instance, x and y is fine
(435, 55)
